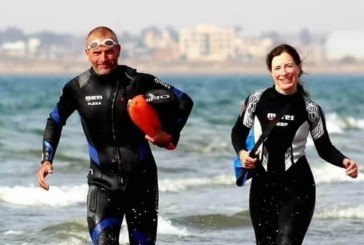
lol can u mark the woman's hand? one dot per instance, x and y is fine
(351, 168)
(247, 161)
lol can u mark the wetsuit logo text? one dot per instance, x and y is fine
(271, 116)
(93, 100)
(162, 83)
(158, 97)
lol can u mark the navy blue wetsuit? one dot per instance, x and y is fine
(282, 194)
(123, 174)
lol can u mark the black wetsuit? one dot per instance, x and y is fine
(282, 194)
(123, 174)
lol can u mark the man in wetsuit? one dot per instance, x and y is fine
(123, 174)
(283, 191)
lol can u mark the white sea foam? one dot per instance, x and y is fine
(13, 232)
(347, 212)
(62, 196)
(176, 185)
(35, 196)
(334, 124)
(72, 195)
(337, 124)
(165, 226)
(327, 173)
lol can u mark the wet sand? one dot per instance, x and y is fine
(74, 67)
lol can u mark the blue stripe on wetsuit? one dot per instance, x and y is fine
(56, 116)
(49, 149)
(94, 155)
(143, 149)
(177, 92)
(102, 226)
(140, 237)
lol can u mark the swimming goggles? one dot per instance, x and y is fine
(104, 42)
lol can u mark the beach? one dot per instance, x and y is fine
(77, 65)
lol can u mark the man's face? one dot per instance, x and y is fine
(103, 53)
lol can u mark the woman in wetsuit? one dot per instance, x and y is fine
(282, 193)
(123, 174)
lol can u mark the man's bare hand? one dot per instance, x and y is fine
(161, 139)
(45, 169)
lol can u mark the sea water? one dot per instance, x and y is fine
(199, 201)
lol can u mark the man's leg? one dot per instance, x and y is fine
(104, 218)
(142, 210)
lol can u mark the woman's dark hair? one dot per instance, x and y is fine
(285, 48)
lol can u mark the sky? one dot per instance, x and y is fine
(254, 16)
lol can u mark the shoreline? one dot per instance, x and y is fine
(72, 67)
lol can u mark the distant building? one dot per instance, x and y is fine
(249, 48)
(33, 46)
(162, 45)
(14, 49)
(345, 45)
(158, 40)
(21, 48)
(207, 43)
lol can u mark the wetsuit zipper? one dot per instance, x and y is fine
(116, 149)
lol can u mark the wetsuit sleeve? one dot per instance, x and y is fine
(183, 110)
(185, 104)
(56, 121)
(321, 139)
(240, 131)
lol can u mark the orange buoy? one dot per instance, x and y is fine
(144, 115)
(146, 118)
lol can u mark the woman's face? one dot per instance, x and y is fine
(285, 73)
